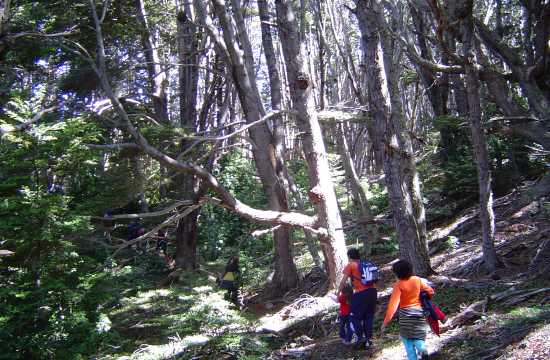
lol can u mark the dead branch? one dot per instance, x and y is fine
(244, 128)
(145, 215)
(113, 147)
(152, 232)
(524, 296)
(288, 318)
(7, 129)
(258, 233)
(227, 199)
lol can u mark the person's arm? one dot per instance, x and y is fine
(392, 305)
(343, 283)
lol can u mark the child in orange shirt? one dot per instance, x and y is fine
(412, 322)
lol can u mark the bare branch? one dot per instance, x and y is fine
(10, 37)
(489, 38)
(210, 28)
(258, 233)
(227, 199)
(104, 12)
(254, 123)
(7, 129)
(145, 215)
(513, 118)
(164, 224)
(113, 147)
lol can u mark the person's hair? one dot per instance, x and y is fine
(402, 269)
(353, 254)
(232, 264)
(347, 291)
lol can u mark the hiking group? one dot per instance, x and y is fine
(136, 229)
(411, 295)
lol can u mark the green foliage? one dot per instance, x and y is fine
(220, 228)
(47, 176)
(388, 246)
(377, 195)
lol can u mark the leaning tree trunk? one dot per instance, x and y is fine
(322, 192)
(479, 142)
(392, 140)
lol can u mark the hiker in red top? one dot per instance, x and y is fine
(363, 300)
(344, 299)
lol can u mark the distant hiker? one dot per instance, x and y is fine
(162, 242)
(412, 322)
(229, 280)
(344, 299)
(108, 224)
(142, 245)
(133, 228)
(363, 275)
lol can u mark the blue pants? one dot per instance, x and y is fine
(362, 308)
(413, 346)
(345, 328)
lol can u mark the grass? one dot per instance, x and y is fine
(146, 322)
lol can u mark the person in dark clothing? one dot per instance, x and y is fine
(363, 301)
(162, 242)
(230, 278)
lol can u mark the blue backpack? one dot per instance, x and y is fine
(369, 272)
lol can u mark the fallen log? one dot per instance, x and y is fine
(472, 311)
(524, 296)
(478, 308)
(292, 316)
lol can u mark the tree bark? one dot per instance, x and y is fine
(188, 39)
(4, 19)
(370, 235)
(322, 192)
(391, 138)
(264, 152)
(277, 124)
(157, 76)
(479, 141)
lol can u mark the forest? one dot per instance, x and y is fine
(230, 179)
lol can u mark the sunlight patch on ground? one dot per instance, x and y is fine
(444, 231)
(145, 298)
(167, 351)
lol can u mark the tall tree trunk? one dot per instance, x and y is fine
(157, 76)
(479, 141)
(4, 18)
(264, 152)
(275, 86)
(188, 44)
(370, 234)
(322, 192)
(392, 140)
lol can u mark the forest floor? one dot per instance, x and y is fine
(189, 319)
